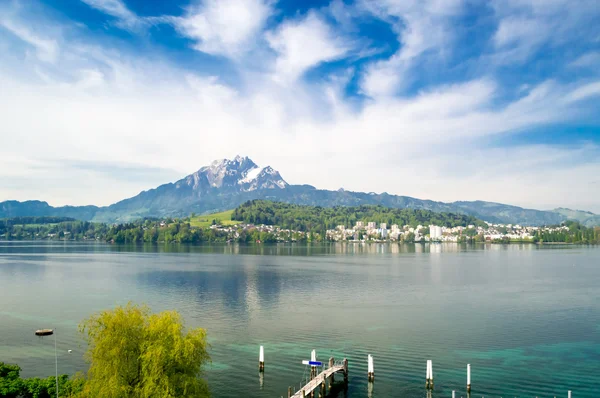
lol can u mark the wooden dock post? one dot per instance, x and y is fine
(428, 375)
(289, 392)
(370, 369)
(346, 370)
(469, 378)
(261, 359)
(332, 377)
(313, 369)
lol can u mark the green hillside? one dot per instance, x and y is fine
(206, 220)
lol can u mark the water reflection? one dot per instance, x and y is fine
(242, 289)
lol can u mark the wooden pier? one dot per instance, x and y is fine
(320, 380)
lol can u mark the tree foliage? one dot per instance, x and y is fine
(13, 386)
(317, 219)
(134, 353)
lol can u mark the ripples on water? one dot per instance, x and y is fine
(526, 318)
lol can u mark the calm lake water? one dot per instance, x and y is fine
(526, 318)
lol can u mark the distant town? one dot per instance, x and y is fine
(372, 232)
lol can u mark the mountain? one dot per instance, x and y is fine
(36, 208)
(586, 218)
(225, 184)
(222, 185)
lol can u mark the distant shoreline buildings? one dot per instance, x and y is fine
(435, 233)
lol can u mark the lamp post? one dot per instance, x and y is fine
(50, 332)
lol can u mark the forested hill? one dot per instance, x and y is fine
(314, 218)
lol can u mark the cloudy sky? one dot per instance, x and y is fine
(437, 99)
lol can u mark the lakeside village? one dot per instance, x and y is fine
(371, 232)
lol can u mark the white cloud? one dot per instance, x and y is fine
(421, 26)
(47, 50)
(584, 92)
(225, 27)
(588, 60)
(126, 18)
(303, 44)
(524, 26)
(108, 106)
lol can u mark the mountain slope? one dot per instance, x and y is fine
(225, 184)
(222, 185)
(36, 208)
(586, 218)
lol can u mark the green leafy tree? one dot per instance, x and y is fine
(133, 353)
(10, 382)
(12, 386)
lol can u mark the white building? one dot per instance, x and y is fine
(383, 225)
(360, 224)
(435, 232)
(371, 225)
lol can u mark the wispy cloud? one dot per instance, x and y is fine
(46, 50)
(126, 19)
(127, 111)
(525, 26)
(421, 26)
(588, 60)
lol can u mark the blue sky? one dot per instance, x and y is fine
(444, 100)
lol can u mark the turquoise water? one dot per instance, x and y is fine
(526, 318)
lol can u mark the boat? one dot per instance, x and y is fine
(44, 332)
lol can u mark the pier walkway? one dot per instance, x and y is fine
(321, 379)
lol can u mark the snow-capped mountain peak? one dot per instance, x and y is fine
(239, 174)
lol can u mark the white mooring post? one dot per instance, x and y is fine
(370, 371)
(431, 374)
(313, 369)
(261, 359)
(469, 378)
(453, 394)
(569, 393)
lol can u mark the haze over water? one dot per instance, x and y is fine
(527, 318)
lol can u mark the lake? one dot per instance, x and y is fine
(527, 318)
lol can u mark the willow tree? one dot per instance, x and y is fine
(134, 353)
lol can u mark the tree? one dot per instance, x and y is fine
(12, 386)
(133, 353)
(10, 382)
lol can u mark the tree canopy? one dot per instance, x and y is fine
(317, 219)
(134, 353)
(13, 386)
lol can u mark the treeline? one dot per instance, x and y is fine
(168, 231)
(34, 220)
(13, 386)
(36, 228)
(577, 233)
(300, 224)
(316, 218)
